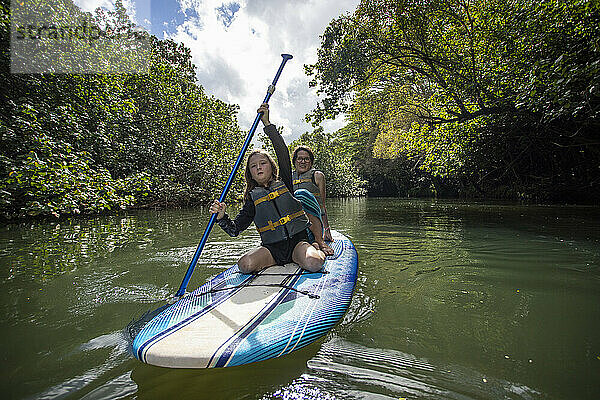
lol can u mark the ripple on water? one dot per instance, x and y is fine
(98, 289)
(343, 369)
(102, 381)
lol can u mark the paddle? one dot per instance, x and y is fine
(181, 291)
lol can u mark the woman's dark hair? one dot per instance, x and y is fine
(306, 149)
(250, 182)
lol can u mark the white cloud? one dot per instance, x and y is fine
(139, 10)
(91, 5)
(237, 50)
(236, 63)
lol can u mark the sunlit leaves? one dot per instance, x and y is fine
(476, 90)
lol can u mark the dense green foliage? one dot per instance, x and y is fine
(444, 98)
(86, 143)
(483, 97)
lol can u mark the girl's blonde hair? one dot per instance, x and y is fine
(250, 182)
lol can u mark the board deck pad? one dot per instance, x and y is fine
(236, 318)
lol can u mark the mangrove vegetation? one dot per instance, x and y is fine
(468, 97)
(448, 98)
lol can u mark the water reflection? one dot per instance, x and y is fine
(41, 250)
(347, 370)
(453, 300)
(490, 288)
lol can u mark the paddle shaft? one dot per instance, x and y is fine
(181, 291)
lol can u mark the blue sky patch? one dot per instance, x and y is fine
(167, 16)
(226, 13)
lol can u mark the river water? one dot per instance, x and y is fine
(454, 300)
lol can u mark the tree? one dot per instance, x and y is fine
(87, 143)
(500, 94)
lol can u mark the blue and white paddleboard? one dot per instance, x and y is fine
(236, 318)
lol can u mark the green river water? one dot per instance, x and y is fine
(454, 300)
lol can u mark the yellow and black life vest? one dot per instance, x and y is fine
(279, 215)
(306, 180)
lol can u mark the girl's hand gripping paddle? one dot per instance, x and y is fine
(181, 291)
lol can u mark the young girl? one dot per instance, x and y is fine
(278, 216)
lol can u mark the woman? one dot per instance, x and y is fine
(278, 216)
(305, 177)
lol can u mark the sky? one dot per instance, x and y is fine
(237, 45)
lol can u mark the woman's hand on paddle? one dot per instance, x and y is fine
(264, 109)
(218, 208)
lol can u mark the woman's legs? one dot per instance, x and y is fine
(308, 257)
(316, 228)
(313, 211)
(255, 260)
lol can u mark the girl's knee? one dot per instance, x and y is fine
(245, 264)
(315, 262)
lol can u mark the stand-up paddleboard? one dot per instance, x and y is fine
(236, 318)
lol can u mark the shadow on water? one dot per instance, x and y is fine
(241, 382)
(120, 376)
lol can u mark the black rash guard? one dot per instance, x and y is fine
(246, 215)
